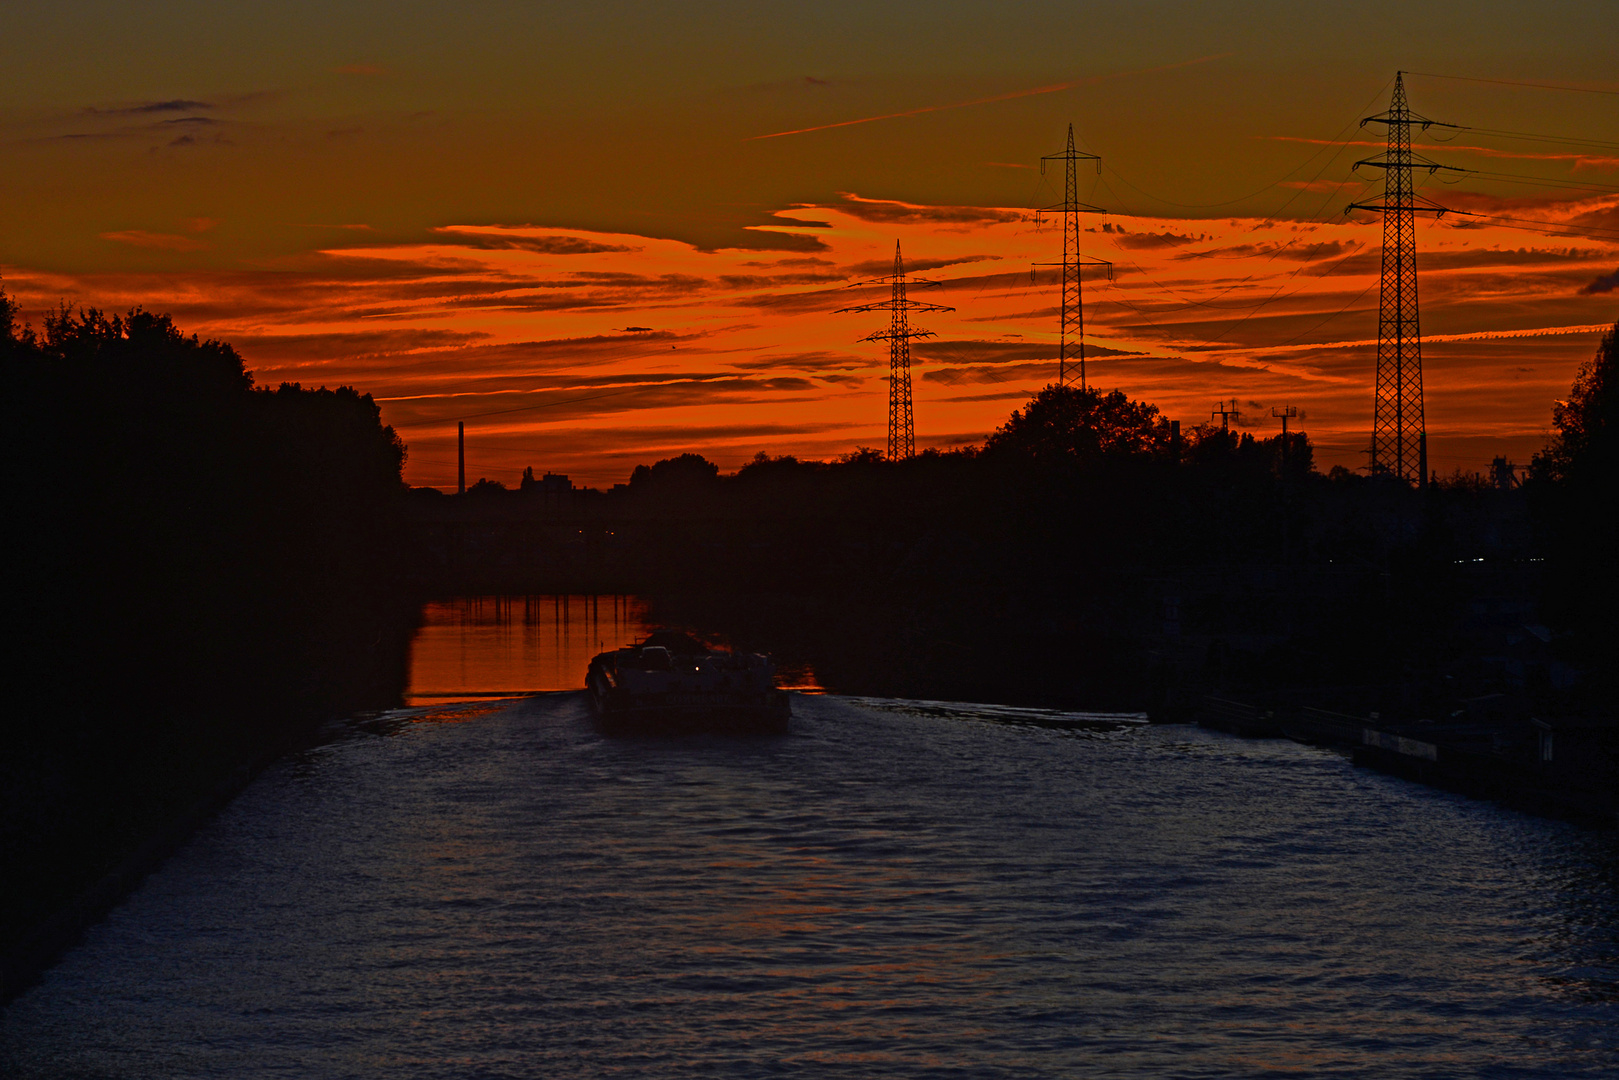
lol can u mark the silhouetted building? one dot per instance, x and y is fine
(553, 490)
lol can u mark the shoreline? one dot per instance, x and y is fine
(1513, 763)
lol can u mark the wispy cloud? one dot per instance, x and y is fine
(1011, 96)
(172, 105)
(159, 241)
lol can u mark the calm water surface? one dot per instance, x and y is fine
(499, 891)
(481, 647)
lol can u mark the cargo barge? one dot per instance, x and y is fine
(672, 683)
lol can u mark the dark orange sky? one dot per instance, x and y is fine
(462, 212)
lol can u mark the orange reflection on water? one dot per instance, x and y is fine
(481, 647)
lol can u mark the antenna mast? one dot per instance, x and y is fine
(901, 423)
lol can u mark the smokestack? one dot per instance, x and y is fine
(460, 457)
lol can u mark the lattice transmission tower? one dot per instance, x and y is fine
(901, 421)
(1399, 429)
(1071, 346)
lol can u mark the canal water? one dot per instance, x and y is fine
(482, 647)
(494, 889)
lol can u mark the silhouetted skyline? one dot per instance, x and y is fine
(463, 214)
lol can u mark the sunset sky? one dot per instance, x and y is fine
(463, 209)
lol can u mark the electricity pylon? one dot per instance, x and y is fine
(1071, 347)
(901, 422)
(1286, 413)
(1399, 429)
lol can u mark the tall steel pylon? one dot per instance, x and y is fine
(1399, 427)
(1071, 347)
(901, 421)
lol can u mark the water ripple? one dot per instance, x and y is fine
(895, 889)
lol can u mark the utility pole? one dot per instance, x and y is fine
(1285, 412)
(1226, 415)
(1071, 341)
(460, 457)
(1399, 428)
(901, 422)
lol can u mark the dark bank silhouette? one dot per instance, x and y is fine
(196, 571)
(1089, 554)
(1092, 554)
(1574, 484)
(199, 569)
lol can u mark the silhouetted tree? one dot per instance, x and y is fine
(194, 569)
(862, 457)
(486, 488)
(1585, 448)
(1065, 422)
(8, 319)
(1574, 482)
(687, 470)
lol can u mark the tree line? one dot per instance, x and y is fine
(197, 568)
(1087, 529)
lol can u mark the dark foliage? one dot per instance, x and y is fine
(1084, 556)
(688, 471)
(1575, 482)
(1065, 423)
(486, 489)
(194, 570)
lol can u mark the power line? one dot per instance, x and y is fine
(1303, 333)
(1543, 181)
(1338, 141)
(1528, 136)
(1534, 225)
(1512, 82)
(1301, 165)
(525, 408)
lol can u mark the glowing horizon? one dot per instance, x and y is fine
(462, 213)
(654, 347)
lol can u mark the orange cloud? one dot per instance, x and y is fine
(520, 330)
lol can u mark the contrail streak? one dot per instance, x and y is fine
(1054, 88)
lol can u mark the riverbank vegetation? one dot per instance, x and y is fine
(1088, 554)
(197, 569)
